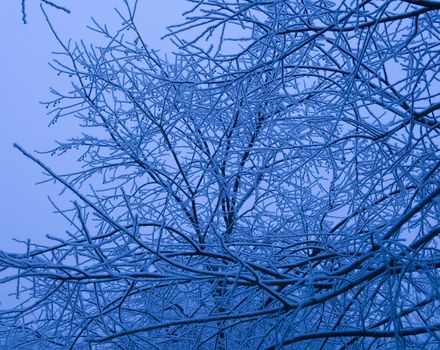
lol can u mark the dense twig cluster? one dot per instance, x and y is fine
(276, 185)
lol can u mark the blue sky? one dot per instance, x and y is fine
(26, 50)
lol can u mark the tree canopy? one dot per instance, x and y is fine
(274, 184)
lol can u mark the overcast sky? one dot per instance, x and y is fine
(26, 78)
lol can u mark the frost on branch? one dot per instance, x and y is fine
(273, 185)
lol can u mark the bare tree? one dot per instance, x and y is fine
(42, 2)
(275, 186)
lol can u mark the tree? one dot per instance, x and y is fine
(275, 186)
(42, 2)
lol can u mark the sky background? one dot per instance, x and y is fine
(25, 53)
